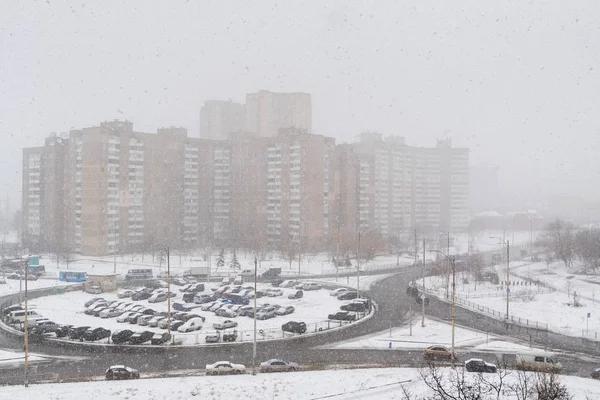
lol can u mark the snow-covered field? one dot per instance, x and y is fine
(365, 384)
(419, 337)
(550, 305)
(13, 286)
(313, 309)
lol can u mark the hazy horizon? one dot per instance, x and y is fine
(516, 85)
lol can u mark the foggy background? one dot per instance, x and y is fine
(515, 83)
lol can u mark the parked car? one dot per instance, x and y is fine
(143, 320)
(189, 316)
(179, 316)
(285, 310)
(226, 312)
(166, 292)
(188, 297)
(124, 306)
(298, 294)
(111, 313)
(30, 277)
(125, 293)
(478, 365)
(94, 289)
(76, 333)
(91, 335)
(175, 325)
(13, 276)
(244, 311)
(143, 294)
(92, 301)
(156, 284)
(140, 337)
(96, 306)
(121, 372)
(216, 306)
(349, 295)
(213, 337)
(229, 336)
(202, 298)
(224, 367)
(160, 338)
(96, 312)
(156, 320)
(194, 324)
(62, 330)
(147, 311)
(46, 326)
(225, 324)
(157, 298)
(275, 365)
(595, 373)
(132, 319)
(308, 286)
(338, 291)
(265, 313)
(121, 336)
(438, 353)
(342, 316)
(274, 292)
(125, 315)
(358, 306)
(276, 282)
(288, 284)
(178, 282)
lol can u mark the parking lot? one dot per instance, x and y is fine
(313, 308)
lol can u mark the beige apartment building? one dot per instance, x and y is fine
(109, 189)
(268, 112)
(219, 118)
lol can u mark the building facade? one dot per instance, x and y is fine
(268, 112)
(219, 118)
(109, 189)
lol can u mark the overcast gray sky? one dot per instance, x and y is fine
(516, 82)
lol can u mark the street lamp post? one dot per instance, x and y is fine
(423, 276)
(254, 317)
(507, 272)
(452, 262)
(26, 330)
(168, 294)
(358, 267)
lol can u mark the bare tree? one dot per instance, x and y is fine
(523, 387)
(587, 247)
(560, 240)
(548, 386)
(453, 385)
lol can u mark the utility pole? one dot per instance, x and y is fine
(423, 300)
(507, 276)
(254, 317)
(416, 247)
(26, 331)
(168, 294)
(453, 262)
(358, 266)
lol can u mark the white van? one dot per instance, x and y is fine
(538, 361)
(239, 280)
(193, 324)
(247, 273)
(19, 316)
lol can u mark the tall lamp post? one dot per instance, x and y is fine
(254, 317)
(168, 293)
(358, 267)
(452, 262)
(507, 243)
(26, 330)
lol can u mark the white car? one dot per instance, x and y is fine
(275, 365)
(274, 292)
(288, 284)
(308, 286)
(125, 315)
(191, 325)
(225, 324)
(224, 367)
(156, 320)
(144, 320)
(158, 297)
(339, 291)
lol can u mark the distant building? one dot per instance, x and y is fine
(268, 112)
(218, 119)
(484, 193)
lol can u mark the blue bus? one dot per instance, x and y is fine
(72, 276)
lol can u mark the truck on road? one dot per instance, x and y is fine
(200, 272)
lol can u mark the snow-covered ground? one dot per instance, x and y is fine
(313, 309)
(10, 358)
(365, 281)
(418, 337)
(550, 304)
(13, 286)
(364, 384)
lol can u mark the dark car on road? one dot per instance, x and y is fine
(140, 337)
(62, 330)
(358, 306)
(349, 295)
(91, 335)
(76, 333)
(294, 327)
(121, 336)
(121, 372)
(188, 297)
(478, 365)
(342, 316)
(298, 294)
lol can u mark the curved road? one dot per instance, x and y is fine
(393, 305)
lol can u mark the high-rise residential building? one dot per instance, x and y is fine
(400, 188)
(268, 112)
(218, 119)
(109, 189)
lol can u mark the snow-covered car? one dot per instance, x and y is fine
(275, 365)
(225, 367)
(216, 306)
(94, 289)
(121, 372)
(285, 310)
(338, 291)
(208, 306)
(274, 292)
(158, 297)
(308, 286)
(156, 320)
(226, 312)
(144, 320)
(191, 325)
(225, 324)
(288, 284)
(266, 313)
(111, 313)
(123, 317)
